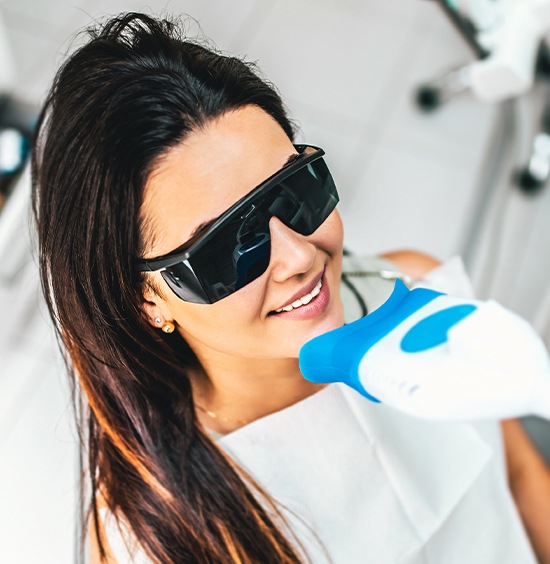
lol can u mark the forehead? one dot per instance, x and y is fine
(208, 172)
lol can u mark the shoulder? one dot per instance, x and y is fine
(116, 540)
(96, 530)
(412, 262)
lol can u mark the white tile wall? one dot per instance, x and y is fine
(347, 70)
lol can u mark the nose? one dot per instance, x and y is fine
(292, 254)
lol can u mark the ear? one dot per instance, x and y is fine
(152, 314)
(154, 306)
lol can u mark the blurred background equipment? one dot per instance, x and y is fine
(10, 145)
(14, 150)
(511, 58)
(38, 448)
(15, 120)
(508, 40)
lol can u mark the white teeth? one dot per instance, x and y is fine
(303, 300)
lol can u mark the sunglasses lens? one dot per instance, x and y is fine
(306, 199)
(239, 251)
(184, 284)
(251, 259)
(237, 255)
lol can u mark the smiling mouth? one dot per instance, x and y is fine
(304, 300)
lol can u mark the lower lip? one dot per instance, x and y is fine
(314, 308)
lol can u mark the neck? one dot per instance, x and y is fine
(239, 391)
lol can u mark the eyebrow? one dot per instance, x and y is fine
(291, 158)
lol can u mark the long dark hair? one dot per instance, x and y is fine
(117, 105)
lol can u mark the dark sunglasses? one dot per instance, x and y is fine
(234, 249)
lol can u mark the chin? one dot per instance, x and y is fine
(332, 321)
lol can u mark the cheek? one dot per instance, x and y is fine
(221, 325)
(330, 235)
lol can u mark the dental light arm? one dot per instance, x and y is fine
(507, 39)
(437, 357)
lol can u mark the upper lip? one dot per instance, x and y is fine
(305, 290)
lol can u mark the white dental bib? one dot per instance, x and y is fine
(378, 486)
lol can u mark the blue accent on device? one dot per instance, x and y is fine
(433, 330)
(335, 356)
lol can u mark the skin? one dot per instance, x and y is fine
(249, 355)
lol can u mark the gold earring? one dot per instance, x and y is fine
(168, 327)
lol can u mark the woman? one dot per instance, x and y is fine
(188, 249)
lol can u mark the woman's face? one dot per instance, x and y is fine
(198, 180)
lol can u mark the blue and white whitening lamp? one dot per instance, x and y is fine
(437, 357)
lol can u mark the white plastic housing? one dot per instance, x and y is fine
(493, 366)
